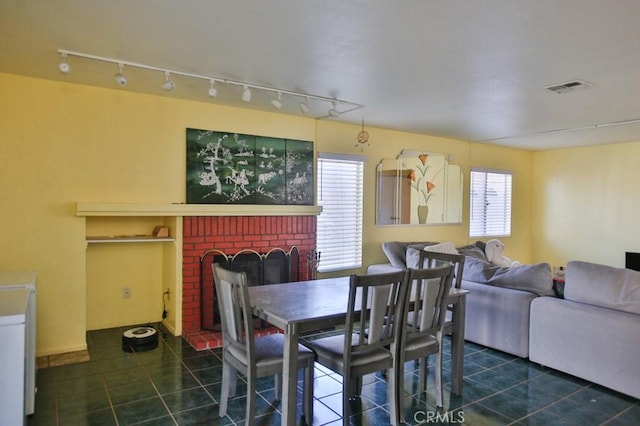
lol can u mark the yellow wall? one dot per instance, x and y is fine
(62, 143)
(586, 204)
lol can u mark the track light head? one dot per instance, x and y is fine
(277, 103)
(304, 105)
(213, 92)
(168, 85)
(246, 94)
(119, 77)
(64, 65)
(333, 112)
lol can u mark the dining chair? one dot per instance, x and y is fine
(430, 259)
(424, 315)
(254, 357)
(370, 335)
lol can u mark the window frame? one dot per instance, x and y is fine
(499, 223)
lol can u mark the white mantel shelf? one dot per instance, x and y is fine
(140, 209)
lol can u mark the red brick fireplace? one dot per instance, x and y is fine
(231, 234)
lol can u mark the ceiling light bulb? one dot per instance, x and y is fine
(333, 112)
(64, 66)
(213, 92)
(168, 84)
(277, 103)
(119, 77)
(246, 94)
(304, 105)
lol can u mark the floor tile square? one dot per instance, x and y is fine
(139, 411)
(188, 399)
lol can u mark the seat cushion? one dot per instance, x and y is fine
(421, 342)
(330, 351)
(269, 351)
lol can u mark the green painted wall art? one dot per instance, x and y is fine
(231, 168)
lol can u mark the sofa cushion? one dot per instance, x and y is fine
(536, 278)
(396, 251)
(473, 251)
(413, 257)
(447, 247)
(413, 251)
(603, 285)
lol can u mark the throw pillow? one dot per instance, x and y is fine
(413, 256)
(535, 278)
(395, 252)
(473, 251)
(446, 247)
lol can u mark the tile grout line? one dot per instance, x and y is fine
(146, 372)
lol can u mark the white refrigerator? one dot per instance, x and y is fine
(24, 280)
(14, 306)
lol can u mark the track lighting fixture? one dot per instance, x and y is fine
(119, 77)
(246, 94)
(277, 103)
(64, 66)
(168, 85)
(333, 112)
(304, 105)
(213, 92)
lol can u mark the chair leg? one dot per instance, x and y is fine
(278, 385)
(356, 387)
(439, 392)
(394, 395)
(424, 371)
(308, 394)
(229, 384)
(251, 399)
(347, 389)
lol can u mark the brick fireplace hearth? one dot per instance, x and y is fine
(231, 234)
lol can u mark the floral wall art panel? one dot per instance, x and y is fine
(231, 168)
(299, 166)
(427, 178)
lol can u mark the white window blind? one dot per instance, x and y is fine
(340, 190)
(490, 203)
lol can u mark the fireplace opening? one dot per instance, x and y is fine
(273, 267)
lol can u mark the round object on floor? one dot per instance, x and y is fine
(140, 339)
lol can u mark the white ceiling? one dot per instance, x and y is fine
(471, 70)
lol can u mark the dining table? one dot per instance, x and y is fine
(303, 307)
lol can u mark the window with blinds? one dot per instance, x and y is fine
(340, 191)
(490, 203)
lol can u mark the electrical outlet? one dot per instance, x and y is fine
(126, 293)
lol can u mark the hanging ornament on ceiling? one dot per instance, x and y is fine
(363, 137)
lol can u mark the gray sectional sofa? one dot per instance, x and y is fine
(593, 333)
(497, 309)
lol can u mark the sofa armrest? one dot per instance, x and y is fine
(382, 268)
(498, 317)
(591, 342)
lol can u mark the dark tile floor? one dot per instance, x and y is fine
(176, 385)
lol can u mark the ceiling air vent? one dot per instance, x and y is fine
(568, 86)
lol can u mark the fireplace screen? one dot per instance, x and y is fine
(275, 266)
